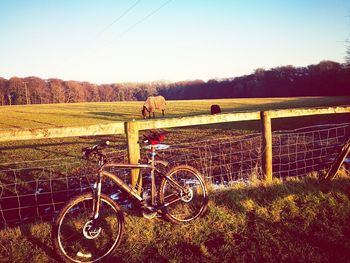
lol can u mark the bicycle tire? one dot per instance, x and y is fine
(188, 177)
(75, 251)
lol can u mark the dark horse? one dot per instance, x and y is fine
(215, 109)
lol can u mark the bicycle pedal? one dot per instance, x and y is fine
(149, 215)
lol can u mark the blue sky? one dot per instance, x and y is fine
(167, 40)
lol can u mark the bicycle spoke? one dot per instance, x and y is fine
(192, 197)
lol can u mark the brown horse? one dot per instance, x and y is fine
(152, 104)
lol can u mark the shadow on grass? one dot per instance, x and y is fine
(40, 243)
(150, 254)
(35, 145)
(109, 114)
(287, 103)
(281, 123)
(298, 215)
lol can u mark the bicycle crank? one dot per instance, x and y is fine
(149, 212)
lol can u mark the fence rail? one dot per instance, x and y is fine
(63, 132)
(120, 127)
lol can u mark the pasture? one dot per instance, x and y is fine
(82, 114)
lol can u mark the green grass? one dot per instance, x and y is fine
(82, 114)
(291, 221)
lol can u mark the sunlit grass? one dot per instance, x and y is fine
(286, 221)
(82, 114)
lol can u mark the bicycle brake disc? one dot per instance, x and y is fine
(89, 231)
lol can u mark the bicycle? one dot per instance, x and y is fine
(90, 226)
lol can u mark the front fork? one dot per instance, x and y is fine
(97, 197)
(153, 180)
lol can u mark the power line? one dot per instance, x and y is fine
(144, 18)
(118, 18)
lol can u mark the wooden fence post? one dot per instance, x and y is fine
(132, 133)
(266, 132)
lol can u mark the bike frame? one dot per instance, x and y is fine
(130, 190)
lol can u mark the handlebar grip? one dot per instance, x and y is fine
(105, 144)
(95, 149)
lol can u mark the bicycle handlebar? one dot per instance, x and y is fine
(151, 138)
(96, 149)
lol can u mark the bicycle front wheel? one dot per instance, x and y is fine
(77, 238)
(188, 203)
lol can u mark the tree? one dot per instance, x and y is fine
(327, 78)
(90, 92)
(106, 92)
(347, 56)
(57, 90)
(37, 91)
(3, 91)
(16, 91)
(74, 91)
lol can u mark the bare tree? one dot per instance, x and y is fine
(347, 56)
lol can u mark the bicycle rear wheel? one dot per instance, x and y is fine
(79, 239)
(183, 206)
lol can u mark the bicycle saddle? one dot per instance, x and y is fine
(153, 138)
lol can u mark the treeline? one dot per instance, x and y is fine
(327, 78)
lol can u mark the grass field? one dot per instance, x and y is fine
(291, 221)
(13, 153)
(82, 114)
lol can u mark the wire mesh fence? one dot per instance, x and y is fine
(311, 149)
(221, 161)
(35, 190)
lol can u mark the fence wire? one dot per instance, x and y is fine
(29, 193)
(221, 161)
(36, 190)
(307, 150)
(33, 190)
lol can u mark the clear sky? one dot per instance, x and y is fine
(145, 40)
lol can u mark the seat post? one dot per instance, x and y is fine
(153, 187)
(153, 151)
